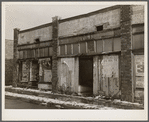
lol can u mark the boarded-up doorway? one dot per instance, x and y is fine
(110, 74)
(86, 75)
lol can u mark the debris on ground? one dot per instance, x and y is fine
(59, 102)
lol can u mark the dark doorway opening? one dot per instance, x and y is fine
(86, 75)
(35, 74)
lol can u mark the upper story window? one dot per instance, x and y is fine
(37, 40)
(99, 28)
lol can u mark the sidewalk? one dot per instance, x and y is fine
(77, 102)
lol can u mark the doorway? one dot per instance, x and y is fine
(86, 75)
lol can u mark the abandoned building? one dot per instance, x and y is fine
(8, 61)
(100, 53)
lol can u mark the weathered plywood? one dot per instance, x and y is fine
(110, 66)
(34, 71)
(138, 41)
(66, 74)
(139, 65)
(139, 82)
(139, 94)
(25, 71)
(110, 74)
(139, 76)
(95, 75)
(76, 75)
(47, 76)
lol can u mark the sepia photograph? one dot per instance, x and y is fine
(74, 61)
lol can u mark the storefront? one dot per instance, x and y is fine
(45, 73)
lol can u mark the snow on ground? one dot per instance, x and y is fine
(25, 89)
(8, 86)
(126, 102)
(116, 101)
(55, 101)
(40, 91)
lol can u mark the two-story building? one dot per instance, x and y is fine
(98, 53)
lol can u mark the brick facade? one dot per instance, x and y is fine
(126, 54)
(54, 56)
(8, 61)
(15, 53)
(116, 39)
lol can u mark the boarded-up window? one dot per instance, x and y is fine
(50, 51)
(99, 46)
(75, 49)
(20, 54)
(46, 51)
(90, 46)
(138, 41)
(117, 44)
(69, 49)
(83, 47)
(62, 50)
(107, 45)
(41, 52)
(37, 53)
(25, 54)
(33, 53)
(28, 54)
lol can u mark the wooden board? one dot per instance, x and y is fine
(47, 76)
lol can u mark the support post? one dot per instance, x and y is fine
(126, 55)
(54, 56)
(15, 53)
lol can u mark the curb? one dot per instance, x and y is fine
(109, 103)
(58, 104)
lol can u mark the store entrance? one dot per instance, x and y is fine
(86, 75)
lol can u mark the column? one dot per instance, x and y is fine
(54, 56)
(15, 52)
(126, 55)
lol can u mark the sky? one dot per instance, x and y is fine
(25, 16)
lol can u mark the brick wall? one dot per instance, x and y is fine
(15, 52)
(8, 61)
(8, 71)
(54, 56)
(126, 54)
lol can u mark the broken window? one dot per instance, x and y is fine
(50, 51)
(99, 46)
(62, 50)
(83, 47)
(99, 28)
(90, 46)
(75, 49)
(107, 45)
(37, 40)
(69, 49)
(117, 44)
(46, 51)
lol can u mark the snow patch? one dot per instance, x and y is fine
(126, 103)
(8, 86)
(55, 101)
